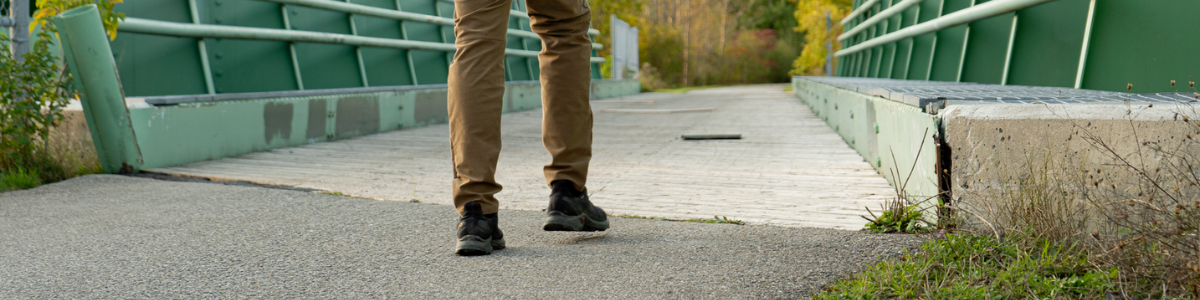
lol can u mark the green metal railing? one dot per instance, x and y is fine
(308, 44)
(1093, 44)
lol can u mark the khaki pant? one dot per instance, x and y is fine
(477, 91)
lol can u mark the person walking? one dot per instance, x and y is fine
(475, 101)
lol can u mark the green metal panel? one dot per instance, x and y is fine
(1146, 43)
(432, 67)
(923, 45)
(887, 58)
(987, 49)
(949, 45)
(240, 66)
(1046, 47)
(325, 66)
(152, 65)
(904, 47)
(384, 66)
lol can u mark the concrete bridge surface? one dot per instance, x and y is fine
(111, 236)
(789, 168)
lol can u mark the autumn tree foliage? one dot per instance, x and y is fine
(706, 42)
(819, 21)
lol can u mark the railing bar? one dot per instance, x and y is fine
(412, 70)
(1012, 37)
(204, 63)
(933, 50)
(912, 41)
(858, 11)
(982, 11)
(287, 25)
(220, 31)
(442, 34)
(879, 17)
(895, 48)
(1087, 41)
(878, 62)
(962, 59)
(932, 53)
(362, 69)
(390, 14)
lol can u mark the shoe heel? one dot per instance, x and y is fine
(592, 225)
(561, 222)
(472, 245)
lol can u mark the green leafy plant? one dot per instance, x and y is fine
(51, 8)
(896, 217)
(32, 95)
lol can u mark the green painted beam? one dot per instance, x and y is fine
(190, 132)
(894, 137)
(94, 76)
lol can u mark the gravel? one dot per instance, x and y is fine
(108, 236)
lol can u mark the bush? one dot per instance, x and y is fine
(32, 96)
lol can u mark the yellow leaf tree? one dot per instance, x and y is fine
(811, 17)
(50, 8)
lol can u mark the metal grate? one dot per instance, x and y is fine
(919, 93)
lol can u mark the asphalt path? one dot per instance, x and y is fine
(110, 236)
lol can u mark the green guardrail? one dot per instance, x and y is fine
(179, 123)
(1089, 44)
(221, 46)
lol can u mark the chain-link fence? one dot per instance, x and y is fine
(14, 17)
(5, 13)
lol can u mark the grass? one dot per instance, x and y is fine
(67, 153)
(19, 179)
(788, 88)
(960, 266)
(334, 193)
(714, 220)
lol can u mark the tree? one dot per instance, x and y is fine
(812, 21)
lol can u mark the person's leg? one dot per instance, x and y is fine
(567, 116)
(476, 99)
(475, 102)
(566, 80)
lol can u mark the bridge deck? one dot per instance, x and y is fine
(789, 168)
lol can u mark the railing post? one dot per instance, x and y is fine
(94, 75)
(20, 31)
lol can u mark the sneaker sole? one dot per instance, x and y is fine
(562, 222)
(473, 245)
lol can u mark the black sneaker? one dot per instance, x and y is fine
(570, 210)
(478, 234)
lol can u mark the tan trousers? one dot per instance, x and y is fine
(477, 92)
